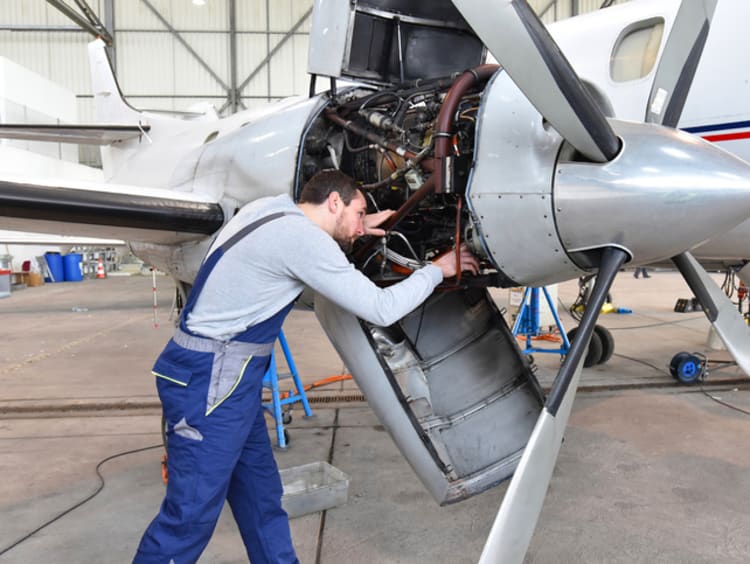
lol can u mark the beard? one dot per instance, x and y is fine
(346, 243)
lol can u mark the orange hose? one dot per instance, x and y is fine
(323, 382)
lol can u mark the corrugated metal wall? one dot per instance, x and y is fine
(156, 69)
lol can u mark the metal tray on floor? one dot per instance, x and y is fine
(313, 487)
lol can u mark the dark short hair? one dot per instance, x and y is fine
(324, 183)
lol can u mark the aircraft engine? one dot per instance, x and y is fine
(468, 159)
(520, 164)
(448, 381)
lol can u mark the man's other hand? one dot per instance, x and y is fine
(372, 220)
(447, 262)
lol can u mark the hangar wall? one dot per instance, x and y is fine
(174, 54)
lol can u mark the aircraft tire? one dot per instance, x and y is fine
(608, 343)
(595, 348)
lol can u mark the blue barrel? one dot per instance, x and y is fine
(72, 268)
(55, 267)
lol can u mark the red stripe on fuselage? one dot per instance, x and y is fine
(727, 136)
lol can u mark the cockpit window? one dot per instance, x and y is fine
(635, 52)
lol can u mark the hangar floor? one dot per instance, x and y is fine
(650, 471)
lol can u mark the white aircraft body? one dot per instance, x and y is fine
(546, 177)
(716, 108)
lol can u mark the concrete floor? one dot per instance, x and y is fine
(649, 471)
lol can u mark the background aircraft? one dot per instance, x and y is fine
(521, 163)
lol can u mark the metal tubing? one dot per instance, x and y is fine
(444, 128)
(349, 125)
(426, 188)
(77, 18)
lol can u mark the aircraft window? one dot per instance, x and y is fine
(211, 136)
(635, 52)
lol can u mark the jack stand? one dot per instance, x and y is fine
(296, 394)
(527, 322)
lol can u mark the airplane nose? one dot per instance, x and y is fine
(665, 192)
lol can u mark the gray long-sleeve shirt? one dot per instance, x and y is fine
(267, 269)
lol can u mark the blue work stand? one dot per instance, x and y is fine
(527, 322)
(296, 394)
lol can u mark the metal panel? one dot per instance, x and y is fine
(68, 62)
(136, 15)
(461, 418)
(25, 49)
(137, 78)
(190, 77)
(704, 184)
(251, 15)
(213, 15)
(301, 78)
(283, 69)
(514, 179)
(251, 50)
(280, 15)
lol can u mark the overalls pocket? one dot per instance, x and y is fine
(225, 379)
(172, 382)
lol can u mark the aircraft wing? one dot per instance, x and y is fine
(83, 134)
(132, 213)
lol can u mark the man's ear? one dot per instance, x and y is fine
(334, 201)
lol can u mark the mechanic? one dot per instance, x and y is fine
(209, 376)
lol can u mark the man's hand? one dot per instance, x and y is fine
(372, 220)
(447, 262)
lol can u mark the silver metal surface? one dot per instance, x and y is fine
(670, 83)
(449, 384)
(510, 188)
(516, 520)
(721, 312)
(733, 245)
(665, 192)
(253, 161)
(508, 38)
(328, 34)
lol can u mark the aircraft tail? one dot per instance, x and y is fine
(111, 107)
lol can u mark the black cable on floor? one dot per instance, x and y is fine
(657, 324)
(85, 500)
(725, 404)
(638, 360)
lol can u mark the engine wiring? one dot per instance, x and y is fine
(85, 500)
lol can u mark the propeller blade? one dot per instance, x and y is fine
(679, 61)
(519, 41)
(719, 310)
(514, 525)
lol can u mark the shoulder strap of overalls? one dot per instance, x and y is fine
(213, 258)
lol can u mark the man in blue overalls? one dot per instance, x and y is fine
(209, 376)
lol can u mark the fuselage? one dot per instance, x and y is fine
(717, 107)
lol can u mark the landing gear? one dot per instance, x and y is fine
(608, 343)
(687, 368)
(601, 346)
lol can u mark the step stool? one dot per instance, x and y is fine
(271, 381)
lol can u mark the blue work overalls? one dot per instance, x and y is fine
(217, 442)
